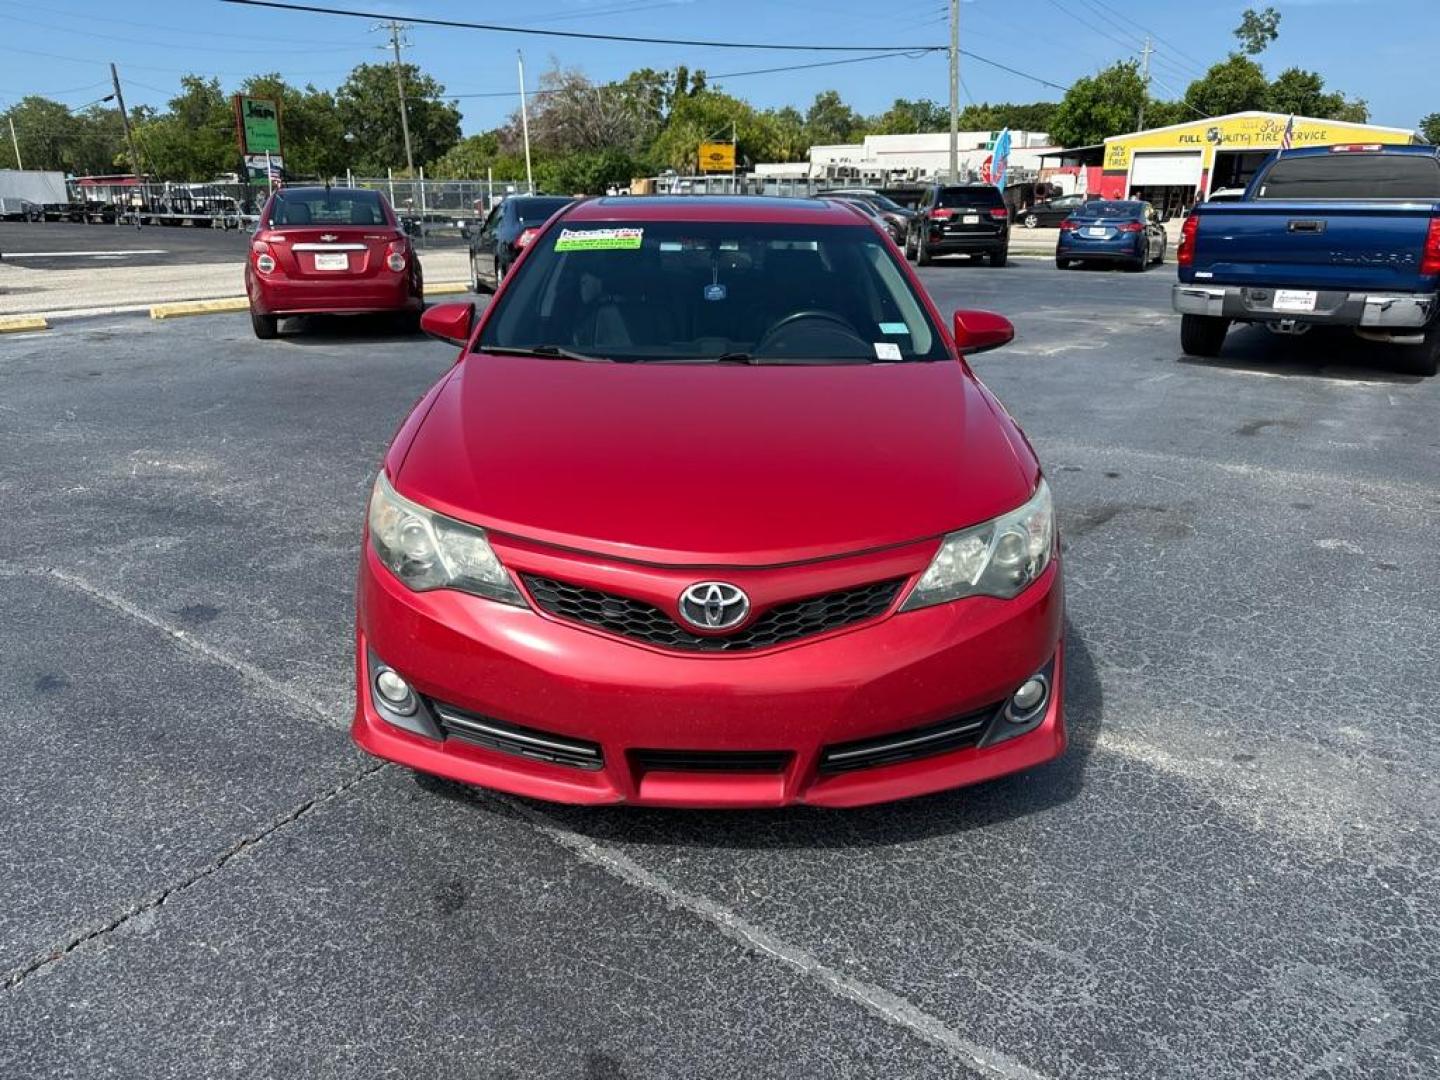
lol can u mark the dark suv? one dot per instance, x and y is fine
(969, 219)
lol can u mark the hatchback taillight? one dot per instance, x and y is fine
(264, 260)
(1185, 253)
(525, 237)
(1430, 258)
(395, 254)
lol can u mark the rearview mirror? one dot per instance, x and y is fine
(449, 322)
(977, 331)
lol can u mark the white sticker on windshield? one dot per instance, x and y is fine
(887, 350)
(894, 328)
(599, 239)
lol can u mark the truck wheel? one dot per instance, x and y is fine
(266, 326)
(1203, 335)
(1425, 359)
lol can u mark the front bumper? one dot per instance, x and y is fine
(640, 705)
(1380, 311)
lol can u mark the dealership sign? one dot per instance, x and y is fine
(257, 125)
(717, 157)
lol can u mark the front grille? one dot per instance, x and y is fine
(761, 761)
(644, 622)
(954, 734)
(514, 739)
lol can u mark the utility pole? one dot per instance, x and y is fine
(525, 123)
(1144, 82)
(395, 28)
(15, 143)
(125, 121)
(954, 91)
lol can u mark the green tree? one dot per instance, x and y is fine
(370, 111)
(195, 138)
(1257, 30)
(1303, 93)
(468, 159)
(1430, 128)
(907, 117)
(699, 117)
(829, 120)
(986, 117)
(1233, 85)
(781, 135)
(45, 130)
(1099, 106)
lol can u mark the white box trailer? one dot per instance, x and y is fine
(19, 187)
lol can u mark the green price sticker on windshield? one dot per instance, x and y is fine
(599, 239)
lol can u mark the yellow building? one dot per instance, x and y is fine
(1176, 166)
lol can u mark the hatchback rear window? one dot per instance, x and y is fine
(332, 207)
(970, 196)
(693, 291)
(1353, 176)
(536, 211)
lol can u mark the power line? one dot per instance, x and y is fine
(152, 43)
(498, 29)
(1191, 62)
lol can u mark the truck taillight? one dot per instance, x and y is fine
(1185, 253)
(1356, 148)
(1430, 259)
(526, 237)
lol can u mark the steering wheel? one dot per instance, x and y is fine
(837, 327)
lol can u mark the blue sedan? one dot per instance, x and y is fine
(1125, 232)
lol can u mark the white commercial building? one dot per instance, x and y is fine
(881, 159)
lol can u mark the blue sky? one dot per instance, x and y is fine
(1382, 50)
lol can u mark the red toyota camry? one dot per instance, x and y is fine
(711, 511)
(332, 251)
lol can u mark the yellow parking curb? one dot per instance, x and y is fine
(447, 288)
(199, 307)
(15, 324)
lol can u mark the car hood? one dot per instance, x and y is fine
(724, 465)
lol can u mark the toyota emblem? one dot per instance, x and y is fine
(714, 605)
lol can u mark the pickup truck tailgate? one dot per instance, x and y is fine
(1355, 246)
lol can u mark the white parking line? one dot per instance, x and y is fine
(80, 254)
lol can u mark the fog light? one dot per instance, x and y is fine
(1028, 700)
(395, 692)
(265, 264)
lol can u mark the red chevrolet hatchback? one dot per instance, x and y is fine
(332, 251)
(711, 511)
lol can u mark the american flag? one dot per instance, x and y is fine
(1286, 136)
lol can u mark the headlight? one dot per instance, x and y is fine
(428, 551)
(999, 558)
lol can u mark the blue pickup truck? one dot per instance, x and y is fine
(1333, 236)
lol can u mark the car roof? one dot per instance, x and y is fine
(738, 208)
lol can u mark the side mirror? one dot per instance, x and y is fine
(449, 322)
(977, 331)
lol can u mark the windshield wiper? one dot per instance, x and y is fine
(737, 358)
(542, 350)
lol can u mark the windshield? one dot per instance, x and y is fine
(327, 207)
(1353, 176)
(698, 291)
(1122, 210)
(537, 211)
(973, 196)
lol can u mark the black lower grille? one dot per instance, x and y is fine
(954, 734)
(764, 761)
(645, 622)
(514, 739)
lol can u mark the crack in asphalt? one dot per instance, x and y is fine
(15, 978)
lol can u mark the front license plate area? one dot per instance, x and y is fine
(332, 261)
(1295, 299)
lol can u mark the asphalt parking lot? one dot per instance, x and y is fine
(1232, 873)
